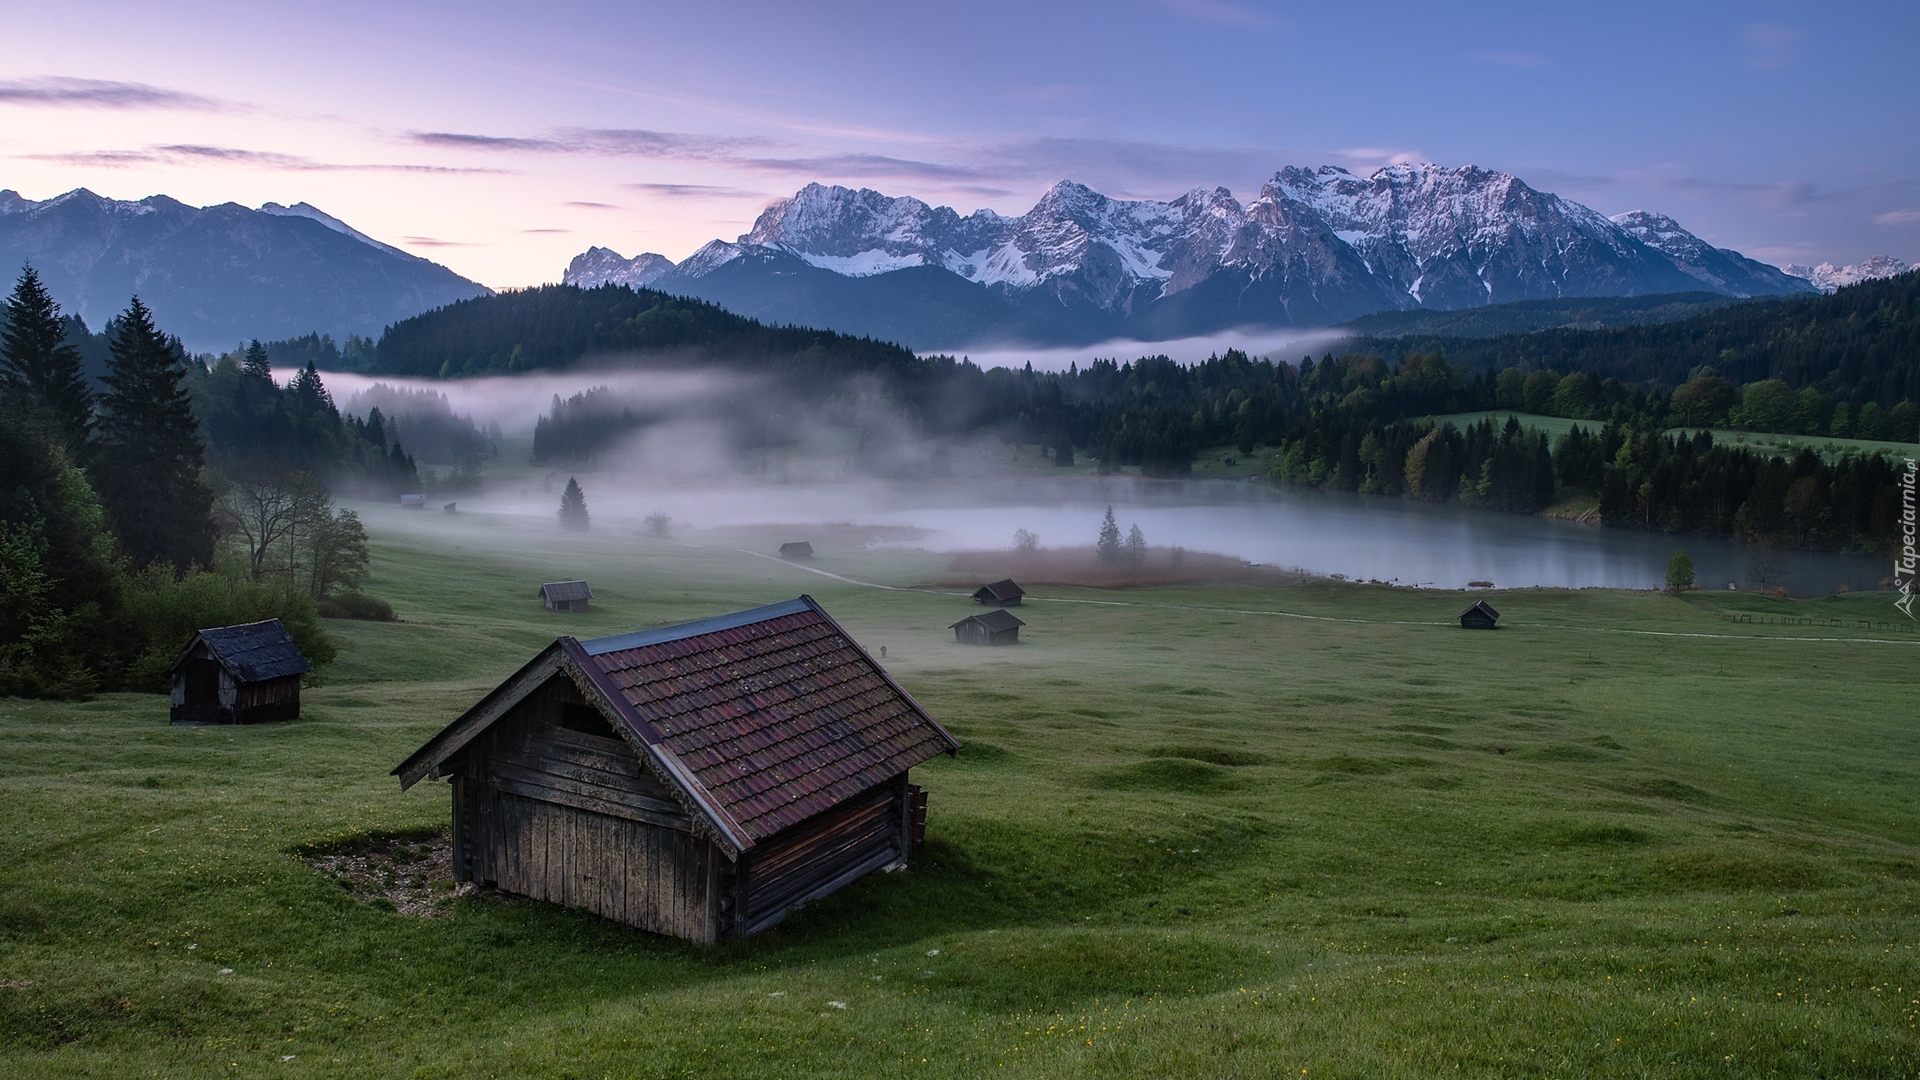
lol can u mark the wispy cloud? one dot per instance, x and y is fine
(1898, 217)
(1509, 59)
(1771, 45)
(61, 92)
(192, 154)
(433, 242)
(848, 166)
(611, 142)
(546, 230)
(1216, 11)
(579, 205)
(466, 141)
(697, 191)
(1377, 157)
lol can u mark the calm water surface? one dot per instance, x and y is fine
(1365, 537)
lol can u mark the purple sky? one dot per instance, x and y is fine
(501, 139)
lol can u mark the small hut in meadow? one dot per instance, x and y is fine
(1480, 616)
(413, 502)
(701, 780)
(241, 674)
(1002, 593)
(565, 595)
(796, 549)
(996, 627)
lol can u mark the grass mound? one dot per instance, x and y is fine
(1170, 774)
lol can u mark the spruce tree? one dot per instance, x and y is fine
(150, 456)
(257, 364)
(38, 364)
(1109, 543)
(573, 507)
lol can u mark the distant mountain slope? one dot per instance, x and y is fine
(1862, 342)
(1315, 247)
(1527, 316)
(222, 274)
(560, 326)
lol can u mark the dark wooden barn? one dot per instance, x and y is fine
(565, 595)
(1480, 616)
(1002, 593)
(797, 549)
(700, 780)
(238, 675)
(413, 502)
(996, 627)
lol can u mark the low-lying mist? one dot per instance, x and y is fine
(718, 450)
(1278, 344)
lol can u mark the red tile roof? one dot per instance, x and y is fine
(776, 713)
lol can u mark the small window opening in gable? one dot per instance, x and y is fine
(585, 719)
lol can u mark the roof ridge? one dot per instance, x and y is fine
(713, 625)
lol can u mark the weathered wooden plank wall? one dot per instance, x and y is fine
(816, 856)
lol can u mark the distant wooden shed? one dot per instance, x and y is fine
(566, 595)
(797, 549)
(701, 780)
(1002, 593)
(996, 627)
(1480, 616)
(413, 502)
(241, 674)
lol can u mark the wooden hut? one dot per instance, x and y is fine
(701, 780)
(238, 675)
(565, 595)
(413, 502)
(797, 549)
(996, 627)
(1002, 593)
(1480, 616)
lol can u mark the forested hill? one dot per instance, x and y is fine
(1527, 316)
(558, 326)
(1861, 343)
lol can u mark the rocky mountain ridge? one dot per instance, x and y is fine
(219, 275)
(1827, 277)
(1314, 247)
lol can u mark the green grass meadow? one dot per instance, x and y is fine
(1189, 836)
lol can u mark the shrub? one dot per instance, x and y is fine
(355, 606)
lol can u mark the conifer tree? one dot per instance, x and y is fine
(38, 363)
(573, 507)
(1136, 547)
(1109, 543)
(150, 455)
(257, 364)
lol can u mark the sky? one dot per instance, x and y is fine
(502, 139)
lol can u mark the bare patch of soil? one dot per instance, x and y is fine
(410, 874)
(1082, 566)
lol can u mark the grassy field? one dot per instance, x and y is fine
(1189, 836)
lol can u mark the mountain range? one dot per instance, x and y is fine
(221, 274)
(1314, 248)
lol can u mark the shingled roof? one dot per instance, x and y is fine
(253, 652)
(762, 718)
(996, 620)
(566, 590)
(1002, 590)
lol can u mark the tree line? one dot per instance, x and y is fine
(162, 498)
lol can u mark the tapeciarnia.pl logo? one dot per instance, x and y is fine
(1905, 560)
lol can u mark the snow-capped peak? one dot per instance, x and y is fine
(605, 266)
(1827, 277)
(314, 213)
